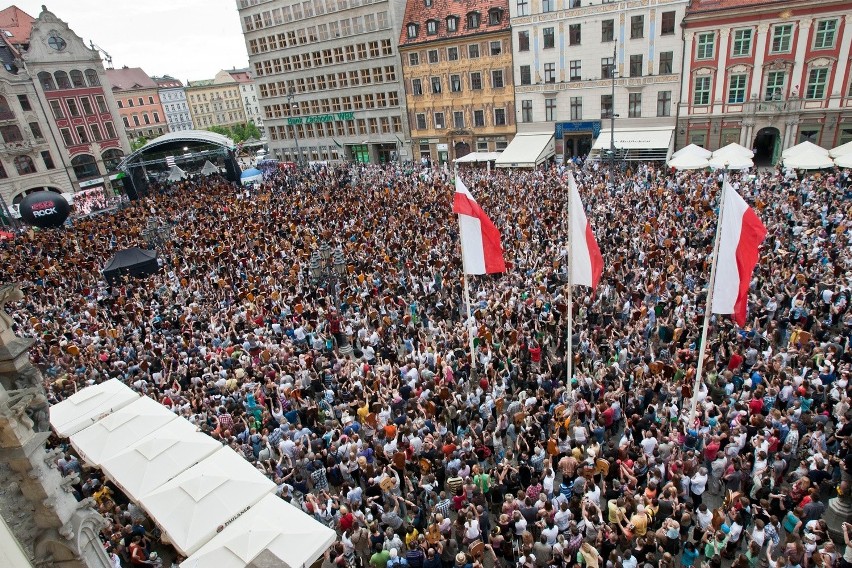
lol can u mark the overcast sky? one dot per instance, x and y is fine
(187, 39)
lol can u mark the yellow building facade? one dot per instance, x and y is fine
(215, 102)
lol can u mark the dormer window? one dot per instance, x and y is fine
(432, 27)
(473, 20)
(495, 16)
(413, 29)
(452, 23)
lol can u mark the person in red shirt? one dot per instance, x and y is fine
(736, 361)
(711, 450)
(755, 405)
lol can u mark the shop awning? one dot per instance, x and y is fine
(526, 151)
(645, 144)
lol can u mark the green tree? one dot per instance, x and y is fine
(138, 143)
(239, 132)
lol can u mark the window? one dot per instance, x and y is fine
(101, 104)
(24, 102)
(666, 61)
(458, 119)
(495, 47)
(524, 40)
(606, 106)
(45, 79)
(433, 55)
(575, 70)
(150, 100)
(3, 174)
(664, 103)
(35, 129)
(84, 166)
(439, 120)
(526, 111)
(452, 54)
(523, 7)
(775, 85)
(548, 5)
(817, 79)
(66, 136)
(634, 105)
(526, 75)
(83, 134)
(5, 110)
(825, 32)
(782, 36)
(421, 121)
(473, 20)
(550, 110)
(135, 120)
(412, 31)
(701, 94)
(497, 79)
(607, 67)
(635, 65)
(73, 110)
(550, 72)
(110, 130)
(157, 116)
(706, 45)
(607, 30)
(499, 117)
(48, 160)
(436, 85)
(637, 27)
(574, 34)
(96, 132)
(24, 165)
(92, 78)
(86, 103)
(737, 88)
(416, 87)
(146, 118)
(473, 51)
(476, 81)
(11, 133)
(549, 38)
(479, 118)
(667, 25)
(452, 24)
(130, 101)
(808, 136)
(62, 80)
(141, 102)
(495, 16)
(455, 84)
(431, 27)
(414, 59)
(742, 43)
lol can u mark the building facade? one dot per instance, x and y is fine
(248, 95)
(565, 52)
(81, 141)
(328, 78)
(766, 75)
(138, 99)
(215, 102)
(173, 98)
(457, 65)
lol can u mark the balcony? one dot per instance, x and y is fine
(17, 148)
(774, 106)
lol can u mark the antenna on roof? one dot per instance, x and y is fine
(107, 56)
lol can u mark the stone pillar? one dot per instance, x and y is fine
(50, 524)
(839, 511)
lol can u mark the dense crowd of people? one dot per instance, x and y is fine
(418, 455)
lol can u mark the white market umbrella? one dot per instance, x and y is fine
(273, 530)
(693, 150)
(192, 506)
(87, 406)
(209, 168)
(113, 434)
(733, 149)
(841, 150)
(730, 162)
(844, 161)
(808, 161)
(802, 148)
(147, 464)
(688, 162)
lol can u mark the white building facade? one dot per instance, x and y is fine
(248, 94)
(173, 99)
(564, 55)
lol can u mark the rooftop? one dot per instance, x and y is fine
(129, 79)
(493, 15)
(696, 6)
(16, 25)
(167, 81)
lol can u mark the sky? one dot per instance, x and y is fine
(187, 39)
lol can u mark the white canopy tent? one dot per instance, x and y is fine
(89, 405)
(731, 161)
(209, 168)
(641, 144)
(477, 157)
(190, 507)
(692, 149)
(688, 162)
(176, 174)
(842, 150)
(112, 435)
(808, 160)
(733, 149)
(272, 529)
(158, 457)
(803, 148)
(526, 151)
(844, 161)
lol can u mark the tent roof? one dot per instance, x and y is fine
(89, 405)
(113, 434)
(730, 161)
(191, 506)
(273, 529)
(151, 461)
(251, 172)
(477, 157)
(130, 257)
(844, 161)
(841, 150)
(803, 147)
(694, 150)
(808, 160)
(209, 168)
(733, 149)
(526, 151)
(688, 161)
(635, 139)
(175, 173)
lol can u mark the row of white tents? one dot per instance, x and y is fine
(210, 503)
(804, 156)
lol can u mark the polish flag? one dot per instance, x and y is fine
(739, 241)
(482, 252)
(586, 259)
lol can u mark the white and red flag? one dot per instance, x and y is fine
(482, 252)
(586, 259)
(739, 240)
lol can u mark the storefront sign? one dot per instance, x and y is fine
(321, 118)
(563, 128)
(443, 147)
(91, 182)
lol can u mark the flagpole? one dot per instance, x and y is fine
(569, 345)
(470, 328)
(709, 307)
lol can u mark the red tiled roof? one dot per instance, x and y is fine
(129, 78)
(714, 5)
(240, 75)
(416, 12)
(18, 23)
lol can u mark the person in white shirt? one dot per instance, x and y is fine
(697, 485)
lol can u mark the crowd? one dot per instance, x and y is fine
(419, 456)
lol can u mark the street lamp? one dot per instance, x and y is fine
(290, 94)
(156, 233)
(612, 116)
(327, 268)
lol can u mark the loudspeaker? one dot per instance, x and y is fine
(232, 168)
